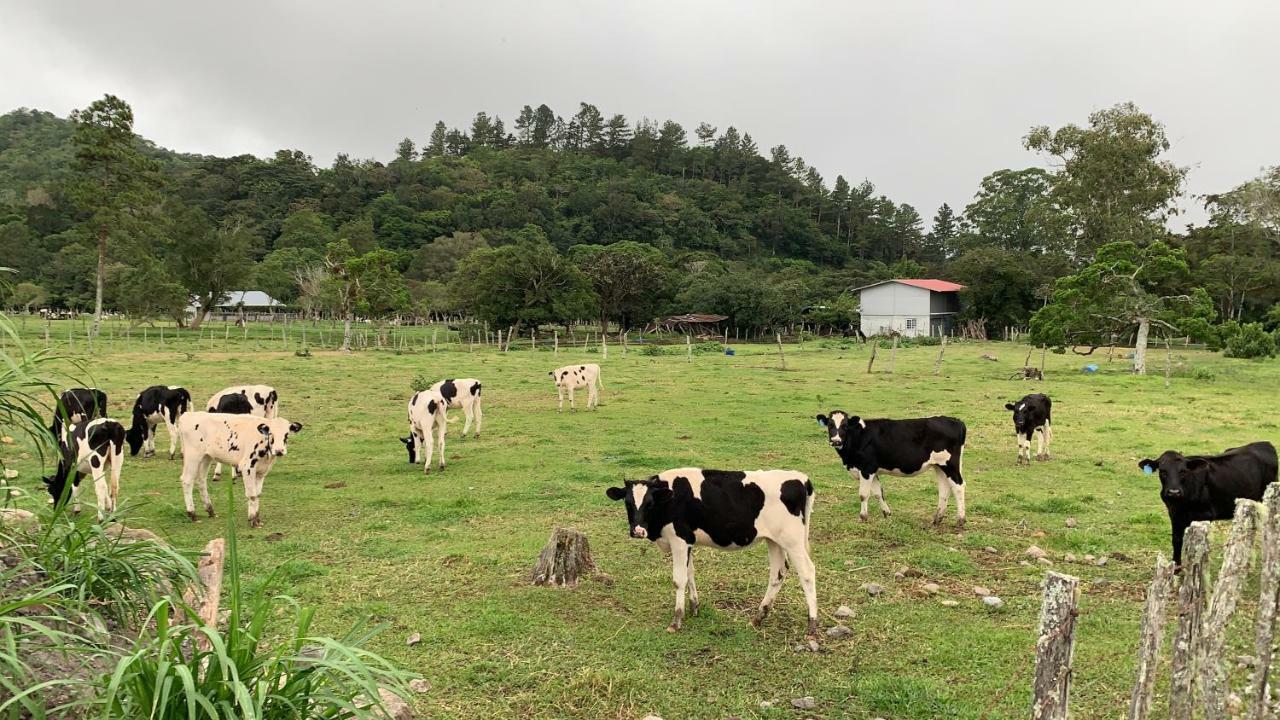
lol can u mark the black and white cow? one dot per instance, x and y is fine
(157, 404)
(575, 377)
(427, 412)
(248, 443)
(91, 447)
(1032, 414)
(257, 400)
(77, 405)
(900, 447)
(463, 393)
(726, 509)
(1206, 487)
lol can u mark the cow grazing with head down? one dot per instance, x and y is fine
(900, 447)
(157, 404)
(462, 393)
(576, 377)
(726, 509)
(1031, 414)
(1206, 487)
(257, 400)
(248, 443)
(77, 405)
(91, 447)
(427, 412)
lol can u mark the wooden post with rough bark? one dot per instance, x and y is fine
(1150, 636)
(564, 560)
(604, 347)
(1211, 674)
(1191, 605)
(1267, 604)
(872, 360)
(782, 359)
(937, 364)
(555, 339)
(1051, 691)
(206, 595)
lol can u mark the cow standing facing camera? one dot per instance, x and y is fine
(1031, 414)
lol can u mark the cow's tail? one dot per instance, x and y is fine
(599, 381)
(808, 516)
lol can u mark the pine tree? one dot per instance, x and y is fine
(481, 130)
(406, 151)
(544, 122)
(524, 126)
(706, 133)
(617, 136)
(435, 147)
(940, 243)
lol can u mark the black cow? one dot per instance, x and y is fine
(77, 405)
(1031, 414)
(680, 508)
(900, 447)
(157, 404)
(89, 447)
(1206, 487)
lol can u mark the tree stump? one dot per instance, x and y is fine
(1055, 648)
(564, 560)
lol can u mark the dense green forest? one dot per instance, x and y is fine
(595, 217)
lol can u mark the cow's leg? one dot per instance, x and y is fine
(878, 489)
(803, 564)
(75, 491)
(944, 492)
(593, 396)
(203, 477)
(441, 427)
(560, 394)
(693, 586)
(117, 464)
(1046, 439)
(777, 572)
(151, 440)
(252, 493)
(217, 472)
(468, 411)
(955, 474)
(1024, 448)
(101, 488)
(1180, 525)
(425, 444)
(478, 404)
(173, 437)
(1039, 433)
(191, 465)
(572, 407)
(680, 578)
(864, 491)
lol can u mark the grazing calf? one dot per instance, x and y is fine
(92, 447)
(727, 509)
(463, 393)
(572, 377)
(1206, 487)
(1031, 414)
(248, 443)
(157, 404)
(900, 447)
(426, 412)
(256, 400)
(77, 405)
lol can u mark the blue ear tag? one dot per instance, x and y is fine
(1146, 469)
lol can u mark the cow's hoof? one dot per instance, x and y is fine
(759, 617)
(209, 509)
(937, 519)
(255, 522)
(673, 628)
(811, 633)
(693, 608)
(960, 523)
(191, 514)
(217, 478)
(862, 517)
(886, 513)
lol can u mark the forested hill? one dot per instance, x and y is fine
(710, 221)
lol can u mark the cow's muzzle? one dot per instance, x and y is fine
(837, 443)
(1173, 494)
(639, 532)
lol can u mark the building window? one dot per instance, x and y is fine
(911, 323)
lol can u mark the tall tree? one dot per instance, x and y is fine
(940, 242)
(628, 279)
(435, 147)
(406, 151)
(1018, 210)
(211, 260)
(113, 184)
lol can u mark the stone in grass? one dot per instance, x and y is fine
(932, 588)
(989, 550)
(993, 602)
(1069, 558)
(804, 703)
(981, 591)
(908, 571)
(1045, 561)
(651, 717)
(839, 631)
(393, 708)
(1071, 522)
(1024, 563)
(844, 611)
(766, 704)
(950, 603)
(1089, 558)
(1034, 552)
(413, 639)
(872, 589)
(419, 685)
(1100, 561)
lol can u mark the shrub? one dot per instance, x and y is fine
(1251, 342)
(928, 341)
(652, 350)
(419, 383)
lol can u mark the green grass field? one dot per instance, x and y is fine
(357, 531)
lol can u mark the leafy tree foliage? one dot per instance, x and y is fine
(629, 279)
(526, 283)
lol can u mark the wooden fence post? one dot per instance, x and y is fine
(556, 340)
(433, 338)
(874, 345)
(1043, 350)
(1267, 604)
(604, 347)
(688, 348)
(1211, 675)
(782, 359)
(510, 331)
(1051, 692)
(1150, 636)
(937, 364)
(1191, 604)
(533, 338)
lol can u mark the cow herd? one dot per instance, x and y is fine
(677, 509)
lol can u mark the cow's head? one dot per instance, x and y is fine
(135, 436)
(648, 505)
(1021, 415)
(276, 432)
(57, 485)
(842, 428)
(412, 446)
(1180, 476)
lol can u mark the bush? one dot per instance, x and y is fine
(928, 341)
(1252, 341)
(1221, 335)
(419, 383)
(652, 350)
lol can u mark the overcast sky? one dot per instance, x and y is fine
(921, 98)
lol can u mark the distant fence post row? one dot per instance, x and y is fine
(1199, 676)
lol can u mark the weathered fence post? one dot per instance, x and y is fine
(1043, 350)
(1211, 675)
(1269, 596)
(510, 331)
(1150, 636)
(433, 338)
(937, 364)
(688, 349)
(874, 345)
(782, 359)
(1168, 360)
(555, 339)
(533, 338)
(604, 347)
(1051, 692)
(893, 354)
(1191, 604)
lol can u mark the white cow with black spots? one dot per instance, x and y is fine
(462, 393)
(257, 400)
(427, 413)
(248, 443)
(574, 377)
(92, 447)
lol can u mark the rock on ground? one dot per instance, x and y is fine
(805, 703)
(844, 611)
(1071, 522)
(1035, 552)
(839, 631)
(419, 685)
(932, 588)
(413, 639)
(20, 519)
(872, 589)
(993, 602)
(981, 591)
(989, 550)
(950, 603)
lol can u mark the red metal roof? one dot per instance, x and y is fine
(934, 285)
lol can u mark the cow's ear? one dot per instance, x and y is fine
(1147, 466)
(853, 420)
(265, 429)
(295, 427)
(1008, 406)
(822, 420)
(616, 493)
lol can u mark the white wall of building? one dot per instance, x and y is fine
(895, 307)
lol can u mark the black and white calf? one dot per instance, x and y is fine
(248, 443)
(257, 400)
(77, 405)
(576, 377)
(426, 413)
(157, 404)
(463, 393)
(900, 447)
(1032, 414)
(726, 509)
(92, 447)
(1206, 487)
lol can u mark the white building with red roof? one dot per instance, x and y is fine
(911, 307)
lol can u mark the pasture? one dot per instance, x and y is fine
(353, 529)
